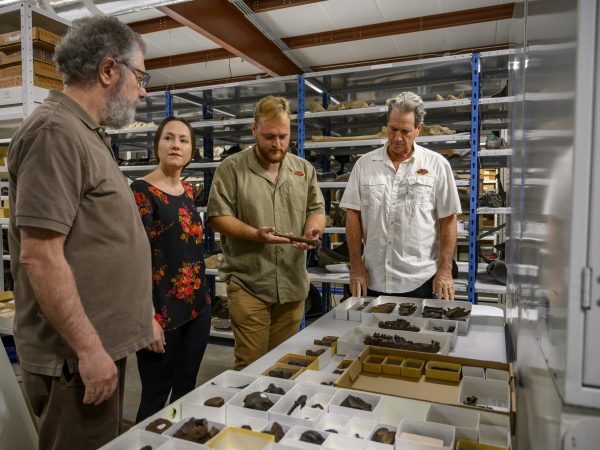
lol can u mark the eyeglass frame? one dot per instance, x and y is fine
(142, 82)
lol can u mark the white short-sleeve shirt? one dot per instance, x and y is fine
(399, 212)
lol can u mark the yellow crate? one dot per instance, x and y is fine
(412, 368)
(313, 361)
(471, 445)
(373, 363)
(391, 365)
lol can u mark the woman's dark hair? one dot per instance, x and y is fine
(88, 42)
(159, 132)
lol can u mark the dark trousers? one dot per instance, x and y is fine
(65, 422)
(423, 291)
(175, 370)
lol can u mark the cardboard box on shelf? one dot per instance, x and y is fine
(39, 68)
(38, 35)
(43, 82)
(14, 56)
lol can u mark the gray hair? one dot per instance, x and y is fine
(88, 42)
(407, 102)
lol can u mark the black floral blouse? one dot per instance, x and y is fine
(175, 231)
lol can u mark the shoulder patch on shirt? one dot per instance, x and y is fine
(422, 172)
(298, 173)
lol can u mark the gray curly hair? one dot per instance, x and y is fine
(88, 42)
(407, 102)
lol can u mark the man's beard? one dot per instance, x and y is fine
(266, 154)
(118, 111)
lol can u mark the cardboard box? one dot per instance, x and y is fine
(373, 363)
(14, 56)
(435, 392)
(392, 365)
(39, 68)
(240, 438)
(43, 82)
(39, 36)
(296, 370)
(437, 370)
(468, 445)
(412, 368)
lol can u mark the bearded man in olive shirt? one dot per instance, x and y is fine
(79, 254)
(254, 194)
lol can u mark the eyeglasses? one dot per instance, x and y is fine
(143, 78)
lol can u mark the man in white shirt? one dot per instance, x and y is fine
(401, 200)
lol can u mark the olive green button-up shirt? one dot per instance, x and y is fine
(241, 188)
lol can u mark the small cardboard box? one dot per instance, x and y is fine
(474, 445)
(391, 365)
(412, 368)
(39, 35)
(39, 68)
(373, 363)
(324, 358)
(438, 370)
(14, 56)
(312, 362)
(232, 438)
(43, 82)
(296, 370)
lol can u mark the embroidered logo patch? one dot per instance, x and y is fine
(298, 173)
(422, 172)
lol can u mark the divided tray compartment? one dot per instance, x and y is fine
(412, 368)
(381, 300)
(306, 416)
(392, 365)
(269, 424)
(137, 439)
(341, 442)
(374, 445)
(292, 438)
(463, 325)
(232, 379)
(171, 431)
(296, 370)
(491, 394)
(332, 421)
(324, 358)
(373, 363)
(359, 428)
(237, 412)
(263, 382)
(464, 420)
(355, 312)
(496, 435)
(178, 444)
(317, 377)
(193, 404)
(443, 432)
(474, 445)
(471, 371)
(446, 325)
(499, 375)
(373, 399)
(342, 311)
(312, 362)
(342, 366)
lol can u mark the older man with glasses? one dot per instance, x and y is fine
(79, 253)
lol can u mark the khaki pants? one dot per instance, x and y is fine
(65, 422)
(259, 326)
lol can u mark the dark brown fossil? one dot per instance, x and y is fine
(327, 383)
(317, 352)
(276, 430)
(298, 362)
(432, 312)
(317, 405)
(398, 324)
(281, 373)
(357, 403)
(326, 341)
(258, 400)
(196, 430)
(383, 340)
(272, 389)
(300, 401)
(384, 308)
(215, 402)
(246, 427)
(363, 306)
(312, 437)
(457, 313)
(384, 436)
(406, 309)
(159, 426)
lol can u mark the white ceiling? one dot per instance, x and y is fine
(321, 17)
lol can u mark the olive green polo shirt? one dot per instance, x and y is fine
(241, 188)
(64, 178)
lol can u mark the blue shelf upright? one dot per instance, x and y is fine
(474, 177)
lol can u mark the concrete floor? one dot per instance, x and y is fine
(217, 358)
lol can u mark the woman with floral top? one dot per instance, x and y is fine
(181, 305)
